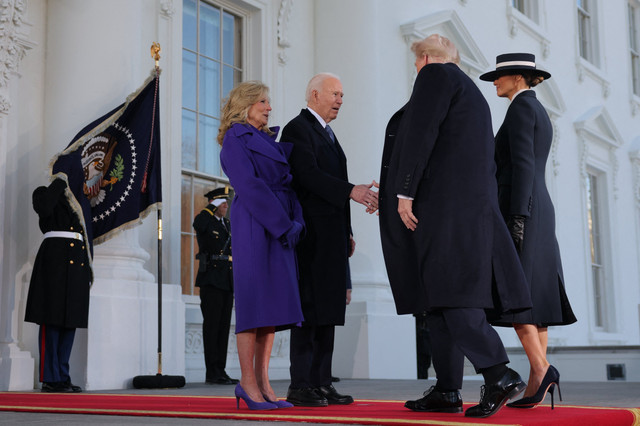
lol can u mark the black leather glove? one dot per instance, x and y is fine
(516, 228)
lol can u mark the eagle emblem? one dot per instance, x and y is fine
(97, 155)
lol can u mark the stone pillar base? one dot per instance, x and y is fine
(16, 368)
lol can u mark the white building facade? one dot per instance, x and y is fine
(64, 63)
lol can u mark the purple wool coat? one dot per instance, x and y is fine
(263, 211)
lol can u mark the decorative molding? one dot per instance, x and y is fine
(167, 9)
(193, 343)
(596, 124)
(586, 69)
(600, 141)
(12, 45)
(634, 155)
(5, 105)
(584, 154)
(549, 95)
(615, 166)
(518, 21)
(283, 29)
(635, 104)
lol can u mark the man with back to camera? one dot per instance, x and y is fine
(215, 279)
(441, 169)
(319, 169)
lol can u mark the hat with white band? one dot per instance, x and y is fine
(513, 63)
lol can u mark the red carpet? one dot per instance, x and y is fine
(362, 412)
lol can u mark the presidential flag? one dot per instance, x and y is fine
(113, 165)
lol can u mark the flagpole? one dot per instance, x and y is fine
(159, 380)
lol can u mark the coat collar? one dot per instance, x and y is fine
(257, 143)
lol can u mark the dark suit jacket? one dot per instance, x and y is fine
(319, 169)
(212, 237)
(443, 158)
(522, 148)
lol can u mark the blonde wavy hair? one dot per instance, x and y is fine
(236, 107)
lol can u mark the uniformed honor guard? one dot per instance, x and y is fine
(58, 298)
(215, 279)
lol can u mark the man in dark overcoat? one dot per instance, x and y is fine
(215, 279)
(443, 174)
(319, 169)
(58, 298)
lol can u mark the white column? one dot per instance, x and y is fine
(16, 365)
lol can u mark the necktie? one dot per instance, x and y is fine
(330, 132)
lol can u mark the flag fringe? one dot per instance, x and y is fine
(128, 225)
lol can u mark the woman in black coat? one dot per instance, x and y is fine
(522, 147)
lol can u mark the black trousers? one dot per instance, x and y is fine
(459, 332)
(311, 353)
(216, 306)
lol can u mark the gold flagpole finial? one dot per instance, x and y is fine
(155, 52)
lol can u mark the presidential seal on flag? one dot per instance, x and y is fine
(119, 156)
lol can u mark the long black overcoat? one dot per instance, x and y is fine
(397, 241)
(61, 278)
(319, 169)
(213, 239)
(523, 143)
(443, 158)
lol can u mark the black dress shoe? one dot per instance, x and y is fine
(495, 395)
(223, 379)
(332, 395)
(335, 379)
(436, 401)
(74, 388)
(307, 397)
(56, 387)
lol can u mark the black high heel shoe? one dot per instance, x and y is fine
(550, 381)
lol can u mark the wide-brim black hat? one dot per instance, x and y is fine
(218, 193)
(511, 63)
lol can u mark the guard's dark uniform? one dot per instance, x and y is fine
(58, 296)
(215, 279)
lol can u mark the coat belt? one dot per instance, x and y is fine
(63, 234)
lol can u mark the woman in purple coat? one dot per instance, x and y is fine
(267, 223)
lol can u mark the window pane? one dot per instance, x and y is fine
(228, 38)
(209, 31)
(189, 25)
(209, 89)
(188, 140)
(189, 78)
(208, 152)
(230, 78)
